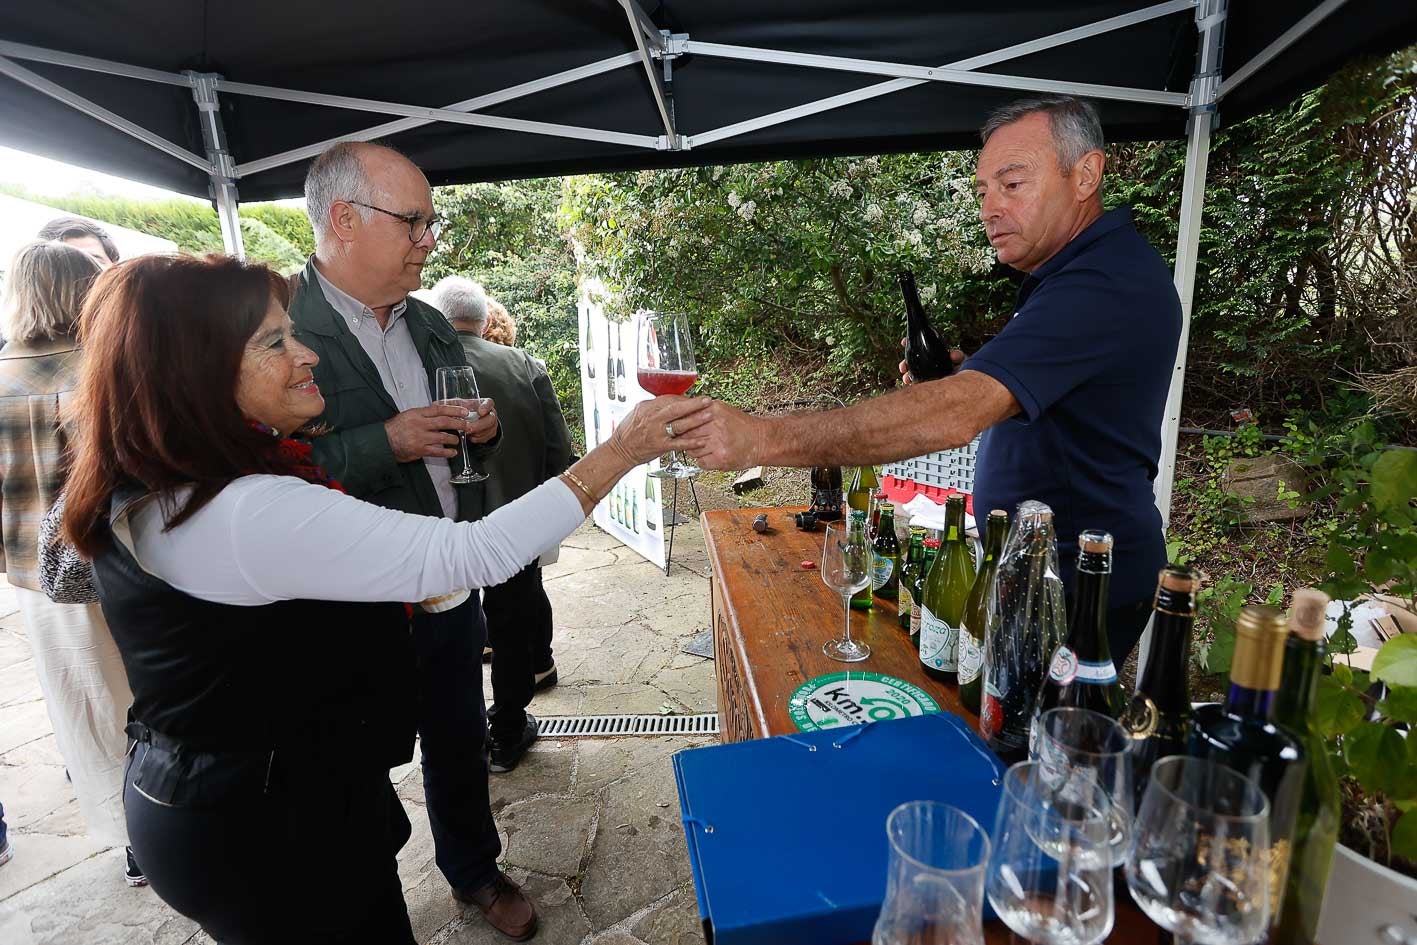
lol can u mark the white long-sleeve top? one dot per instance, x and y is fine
(270, 538)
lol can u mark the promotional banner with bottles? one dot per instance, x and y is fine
(633, 512)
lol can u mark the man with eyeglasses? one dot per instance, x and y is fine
(387, 443)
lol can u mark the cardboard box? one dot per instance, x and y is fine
(1398, 620)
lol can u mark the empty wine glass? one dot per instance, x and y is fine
(935, 886)
(1050, 876)
(665, 365)
(1200, 859)
(846, 569)
(1088, 747)
(458, 386)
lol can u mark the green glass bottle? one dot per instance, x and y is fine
(861, 600)
(634, 509)
(863, 487)
(976, 613)
(917, 591)
(946, 593)
(1316, 829)
(909, 574)
(649, 503)
(885, 556)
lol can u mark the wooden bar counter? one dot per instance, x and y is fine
(771, 615)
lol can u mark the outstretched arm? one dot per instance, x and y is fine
(914, 420)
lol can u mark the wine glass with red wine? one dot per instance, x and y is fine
(665, 365)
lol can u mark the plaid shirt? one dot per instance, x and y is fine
(33, 378)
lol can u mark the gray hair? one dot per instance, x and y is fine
(45, 290)
(337, 174)
(1074, 123)
(461, 300)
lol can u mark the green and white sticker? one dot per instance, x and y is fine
(838, 699)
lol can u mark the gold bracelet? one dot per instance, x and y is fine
(582, 486)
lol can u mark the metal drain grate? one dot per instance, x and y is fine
(599, 726)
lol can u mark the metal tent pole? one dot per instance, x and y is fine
(1210, 20)
(223, 174)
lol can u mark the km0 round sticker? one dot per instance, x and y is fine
(838, 699)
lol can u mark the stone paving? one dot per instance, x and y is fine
(590, 826)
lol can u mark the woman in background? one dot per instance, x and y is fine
(80, 672)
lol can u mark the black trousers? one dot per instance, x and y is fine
(519, 630)
(1124, 628)
(452, 726)
(269, 850)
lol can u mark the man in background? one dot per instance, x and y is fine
(83, 235)
(536, 445)
(379, 349)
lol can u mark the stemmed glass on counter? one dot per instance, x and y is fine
(1200, 859)
(665, 365)
(1050, 873)
(1084, 748)
(846, 569)
(458, 386)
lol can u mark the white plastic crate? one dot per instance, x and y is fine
(947, 469)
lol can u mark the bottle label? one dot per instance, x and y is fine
(1064, 667)
(915, 616)
(1140, 717)
(881, 570)
(971, 657)
(939, 642)
(1099, 674)
(905, 603)
(991, 716)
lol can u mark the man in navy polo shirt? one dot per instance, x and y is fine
(1069, 395)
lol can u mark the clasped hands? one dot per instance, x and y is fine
(429, 432)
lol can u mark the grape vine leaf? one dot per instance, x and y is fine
(1395, 480)
(1377, 757)
(1336, 708)
(1400, 704)
(1396, 662)
(1404, 836)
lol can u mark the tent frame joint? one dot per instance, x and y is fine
(223, 174)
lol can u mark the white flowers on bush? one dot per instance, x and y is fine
(733, 199)
(927, 292)
(922, 213)
(839, 189)
(874, 213)
(746, 210)
(914, 237)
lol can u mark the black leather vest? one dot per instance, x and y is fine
(324, 677)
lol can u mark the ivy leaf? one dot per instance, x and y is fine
(1400, 705)
(1336, 709)
(1395, 480)
(1343, 674)
(1396, 662)
(1404, 836)
(1377, 757)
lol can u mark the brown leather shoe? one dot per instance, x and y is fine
(505, 907)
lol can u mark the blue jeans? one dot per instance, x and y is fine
(452, 725)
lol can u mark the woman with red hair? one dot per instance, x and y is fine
(255, 605)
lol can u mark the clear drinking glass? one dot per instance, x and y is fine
(1050, 873)
(935, 887)
(1200, 859)
(846, 569)
(458, 386)
(665, 365)
(1087, 747)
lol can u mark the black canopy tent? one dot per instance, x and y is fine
(217, 100)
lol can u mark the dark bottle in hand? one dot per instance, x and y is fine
(926, 353)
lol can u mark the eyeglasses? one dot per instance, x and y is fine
(417, 226)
